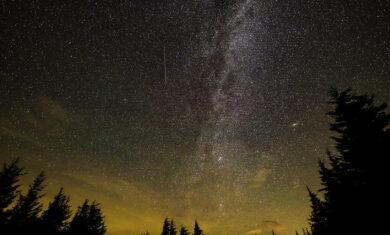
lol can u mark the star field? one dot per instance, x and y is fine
(230, 137)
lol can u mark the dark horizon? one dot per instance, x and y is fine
(231, 134)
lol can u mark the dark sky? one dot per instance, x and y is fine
(230, 137)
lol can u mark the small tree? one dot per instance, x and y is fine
(172, 228)
(184, 231)
(197, 230)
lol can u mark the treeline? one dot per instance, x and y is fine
(23, 213)
(354, 181)
(169, 228)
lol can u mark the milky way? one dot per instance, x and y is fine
(207, 110)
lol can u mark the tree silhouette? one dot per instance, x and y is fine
(197, 230)
(184, 231)
(54, 219)
(353, 182)
(172, 228)
(24, 216)
(88, 220)
(166, 227)
(9, 177)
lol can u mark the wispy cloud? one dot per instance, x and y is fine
(10, 131)
(270, 225)
(259, 179)
(44, 117)
(55, 110)
(255, 231)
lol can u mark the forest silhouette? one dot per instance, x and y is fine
(26, 215)
(352, 178)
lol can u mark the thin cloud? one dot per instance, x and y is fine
(270, 225)
(267, 226)
(259, 179)
(255, 231)
(55, 110)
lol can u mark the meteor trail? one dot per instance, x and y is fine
(165, 68)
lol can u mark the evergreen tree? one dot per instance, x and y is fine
(166, 227)
(24, 216)
(197, 230)
(88, 220)
(184, 231)
(9, 177)
(172, 228)
(54, 219)
(353, 181)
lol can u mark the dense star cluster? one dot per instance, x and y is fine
(211, 110)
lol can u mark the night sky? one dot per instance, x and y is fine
(230, 136)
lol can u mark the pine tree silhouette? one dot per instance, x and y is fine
(88, 220)
(166, 227)
(172, 228)
(184, 231)
(54, 219)
(197, 230)
(353, 182)
(9, 177)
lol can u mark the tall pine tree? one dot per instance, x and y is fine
(166, 227)
(24, 215)
(9, 177)
(353, 182)
(53, 220)
(197, 230)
